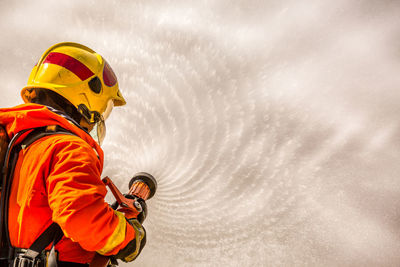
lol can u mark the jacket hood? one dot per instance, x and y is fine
(30, 115)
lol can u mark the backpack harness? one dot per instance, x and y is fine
(35, 255)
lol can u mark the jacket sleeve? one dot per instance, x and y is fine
(76, 197)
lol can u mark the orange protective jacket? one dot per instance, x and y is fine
(57, 179)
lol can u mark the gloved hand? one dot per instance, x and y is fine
(134, 218)
(133, 249)
(143, 214)
(141, 209)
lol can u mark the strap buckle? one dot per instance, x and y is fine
(25, 260)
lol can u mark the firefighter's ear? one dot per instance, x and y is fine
(28, 95)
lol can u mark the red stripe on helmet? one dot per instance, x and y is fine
(109, 76)
(70, 63)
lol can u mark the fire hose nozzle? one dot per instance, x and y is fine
(143, 185)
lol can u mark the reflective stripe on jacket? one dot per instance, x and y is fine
(57, 178)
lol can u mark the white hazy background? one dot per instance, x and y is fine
(272, 127)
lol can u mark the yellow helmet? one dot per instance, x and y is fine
(81, 76)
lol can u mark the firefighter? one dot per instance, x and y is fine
(56, 179)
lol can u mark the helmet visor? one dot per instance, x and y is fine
(98, 132)
(109, 108)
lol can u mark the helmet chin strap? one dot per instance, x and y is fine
(86, 125)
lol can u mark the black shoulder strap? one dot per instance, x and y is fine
(53, 233)
(38, 133)
(6, 251)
